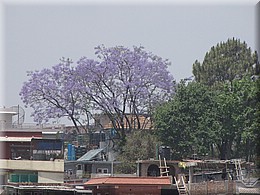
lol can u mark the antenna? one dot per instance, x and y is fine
(19, 116)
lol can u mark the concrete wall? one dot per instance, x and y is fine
(33, 165)
(47, 177)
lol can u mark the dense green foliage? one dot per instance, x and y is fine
(220, 123)
(215, 116)
(140, 145)
(237, 108)
(182, 122)
(225, 62)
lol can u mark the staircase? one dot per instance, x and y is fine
(181, 186)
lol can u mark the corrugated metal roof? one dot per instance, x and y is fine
(90, 154)
(129, 181)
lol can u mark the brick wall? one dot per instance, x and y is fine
(128, 190)
(213, 188)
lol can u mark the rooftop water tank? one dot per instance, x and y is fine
(7, 116)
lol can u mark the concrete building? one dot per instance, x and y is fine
(30, 154)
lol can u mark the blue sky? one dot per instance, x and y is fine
(36, 34)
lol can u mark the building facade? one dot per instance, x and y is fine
(30, 154)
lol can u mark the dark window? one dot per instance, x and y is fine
(79, 167)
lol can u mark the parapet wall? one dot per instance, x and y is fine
(33, 165)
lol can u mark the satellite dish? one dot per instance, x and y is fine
(18, 119)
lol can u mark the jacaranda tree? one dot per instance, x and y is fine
(125, 85)
(120, 83)
(52, 94)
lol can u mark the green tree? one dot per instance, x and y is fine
(236, 110)
(247, 122)
(140, 145)
(185, 122)
(225, 62)
(224, 120)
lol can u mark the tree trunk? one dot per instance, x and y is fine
(225, 150)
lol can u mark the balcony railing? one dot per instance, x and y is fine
(31, 126)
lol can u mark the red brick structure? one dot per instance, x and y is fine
(131, 185)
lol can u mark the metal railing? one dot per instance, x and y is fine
(10, 126)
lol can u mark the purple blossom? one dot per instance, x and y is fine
(121, 81)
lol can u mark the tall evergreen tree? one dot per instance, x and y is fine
(225, 62)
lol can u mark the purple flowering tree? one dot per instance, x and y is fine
(52, 93)
(120, 83)
(123, 83)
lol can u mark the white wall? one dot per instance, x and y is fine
(48, 171)
(47, 177)
(33, 165)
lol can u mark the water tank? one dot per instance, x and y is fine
(69, 152)
(6, 115)
(165, 152)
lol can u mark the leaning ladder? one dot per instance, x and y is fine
(238, 168)
(163, 168)
(181, 186)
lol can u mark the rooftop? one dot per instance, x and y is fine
(129, 181)
(90, 154)
(15, 139)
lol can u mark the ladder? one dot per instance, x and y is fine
(181, 186)
(163, 168)
(238, 168)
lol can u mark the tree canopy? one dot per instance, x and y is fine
(222, 123)
(124, 82)
(184, 122)
(225, 62)
(51, 93)
(140, 145)
(119, 83)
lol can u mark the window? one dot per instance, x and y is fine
(23, 177)
(79, 167)
(70, 171)
(102, 170)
